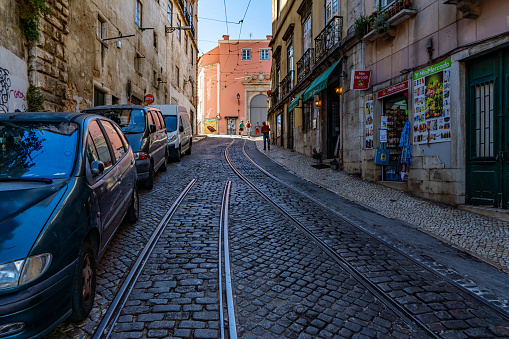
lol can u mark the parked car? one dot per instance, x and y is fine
(178, 127)
(144, 128)
(67, 180)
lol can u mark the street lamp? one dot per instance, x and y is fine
(170, 29)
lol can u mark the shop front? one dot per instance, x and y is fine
(392, 153)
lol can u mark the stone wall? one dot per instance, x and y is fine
(47, 58)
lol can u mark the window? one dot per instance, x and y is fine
(264, 54)
(246, 54)
(156, 120)
(306, 115)
(98, 147)
(331, 9)
(116, 142)
(101, 28)
(170, 12)
(139, 8)
(306, 34)
(177, 76)
(99, 97)
(384, 3)
(156, 83)
(155, 40)
(150, 119)
(137, 63)
(289, 57)
(178, 30)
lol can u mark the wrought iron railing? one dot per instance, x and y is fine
(328, 38)
(287, 84)
(305, 64)
(391, 10)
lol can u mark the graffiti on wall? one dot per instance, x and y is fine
(12, 92)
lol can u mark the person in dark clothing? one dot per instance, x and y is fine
(266, 136)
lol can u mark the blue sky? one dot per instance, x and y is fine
(257, 22)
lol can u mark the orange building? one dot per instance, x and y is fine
(233, 83)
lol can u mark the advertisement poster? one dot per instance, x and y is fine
(432, 104)
(368, 129)
(210, 126)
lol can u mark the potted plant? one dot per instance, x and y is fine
(317, 156)
(361, 25)
(334, 164)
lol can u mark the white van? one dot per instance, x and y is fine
(178, 127)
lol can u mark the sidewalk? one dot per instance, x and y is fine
(481, 236)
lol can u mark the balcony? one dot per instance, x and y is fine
(328, 38)
(305, 64)
(287, 84)
(396, 13)
(274, 96)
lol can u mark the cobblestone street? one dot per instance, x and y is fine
(329, 268)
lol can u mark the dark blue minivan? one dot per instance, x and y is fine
(67, 180)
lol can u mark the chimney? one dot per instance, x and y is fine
(226, 37)
(269, 37)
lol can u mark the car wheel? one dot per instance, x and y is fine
(179, 154)
(188, 152)
(149, 183)
(133, 213)
(84, 283)
(164, 165)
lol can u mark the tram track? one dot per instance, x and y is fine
(105, 327)
(385, 294)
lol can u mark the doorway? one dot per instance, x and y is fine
(257, 111)
(487, 149)
(231, 126)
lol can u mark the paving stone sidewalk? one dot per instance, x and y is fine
(483, 237)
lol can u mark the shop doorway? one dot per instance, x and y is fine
(487, 149)
(231, 126)
(291, 124)
(394, 117)
(333, 118)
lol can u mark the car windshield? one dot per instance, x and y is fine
(33, 150)
(129, 120)
(171, 123)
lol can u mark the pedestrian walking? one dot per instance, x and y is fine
(248, 128)
(266, 136)
(257, 129)
(241, 127)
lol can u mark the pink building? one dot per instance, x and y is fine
(233, 81)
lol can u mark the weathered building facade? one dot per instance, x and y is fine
(441, 65)
(233, 82)
(107, 52)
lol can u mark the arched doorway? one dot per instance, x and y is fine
(258, 111)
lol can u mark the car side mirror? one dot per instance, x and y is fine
(97, 167)
(181, 128)
(152, 128)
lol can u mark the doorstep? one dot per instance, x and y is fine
(398, 185)
(496, 213)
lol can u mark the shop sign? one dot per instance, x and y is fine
(393, 89)
(210, 120)
(360, 79)
(368, 129)
(149, 98)
(432, 104)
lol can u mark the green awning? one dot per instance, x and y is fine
(320, 83)
(295, 102)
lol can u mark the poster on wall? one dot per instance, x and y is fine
(210, 126)
(368, 129)
(432, 104)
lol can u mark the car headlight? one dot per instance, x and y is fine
(20, 272)
(140, 156)
(172, 138)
